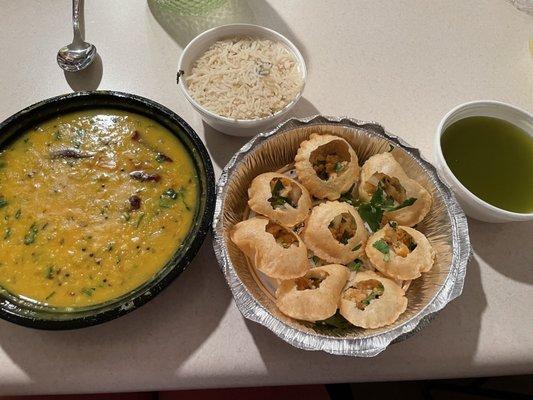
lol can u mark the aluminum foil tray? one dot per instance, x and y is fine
(445, 226)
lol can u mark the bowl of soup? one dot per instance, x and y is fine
(484, 151)
(105, 198)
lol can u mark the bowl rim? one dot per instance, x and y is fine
(368, 346)
(441, 160)
(11, 312)
(258, 28)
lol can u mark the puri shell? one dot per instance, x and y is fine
(380, 312)
(313, 304)
(408, 267)
(319, 238)
(266, 253)
(386, 164)
(336, 183)
(260, 192)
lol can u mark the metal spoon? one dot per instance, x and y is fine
(79, 54)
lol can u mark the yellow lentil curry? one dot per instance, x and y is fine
(92, 205)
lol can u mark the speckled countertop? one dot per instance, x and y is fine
(402, 63)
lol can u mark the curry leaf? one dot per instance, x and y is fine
(141, 217)
(88, 291)
(29, 238)
(50, 273)
(7, 233)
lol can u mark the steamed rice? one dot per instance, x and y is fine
(245, 78)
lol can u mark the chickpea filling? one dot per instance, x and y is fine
(283, 237)
(390, 185)
(364, 292)
(343, 227)
(311, 282)
(398, 240)
(284, 192)
(330, 160)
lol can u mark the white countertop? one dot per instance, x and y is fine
(402, 63)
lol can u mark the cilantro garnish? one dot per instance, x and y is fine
(278, 201)
(382, 247)
(355, 265)
(169, 196)
(376, 292)
(372, 212)
(344, 238)
(349, 198)
(407, 202)
(336, 321)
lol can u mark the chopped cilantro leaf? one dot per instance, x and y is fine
(345, 237)
(278, 201)
(355, 265)
(278, 187)
(382, 247)
(338, 166)
(371, 215)
(376, 292)
(336, 321)
(407, 202)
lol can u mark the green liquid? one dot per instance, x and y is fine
(493, 159)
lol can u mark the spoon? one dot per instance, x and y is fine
(79, 54)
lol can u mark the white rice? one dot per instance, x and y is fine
(245, 78)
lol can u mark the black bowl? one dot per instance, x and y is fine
(31, 314)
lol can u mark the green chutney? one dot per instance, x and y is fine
(493, 159)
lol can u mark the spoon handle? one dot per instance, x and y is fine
(76, 21)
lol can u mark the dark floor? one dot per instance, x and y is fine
(511, 387)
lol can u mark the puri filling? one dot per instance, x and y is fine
(330, 160)
(284, 192)
(343, 227)
(283, 237)
(311, 281)
(390, 185)
(399, 240)
(364, 292)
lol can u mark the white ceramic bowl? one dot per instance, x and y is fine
(234, 127)
(473, 205)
